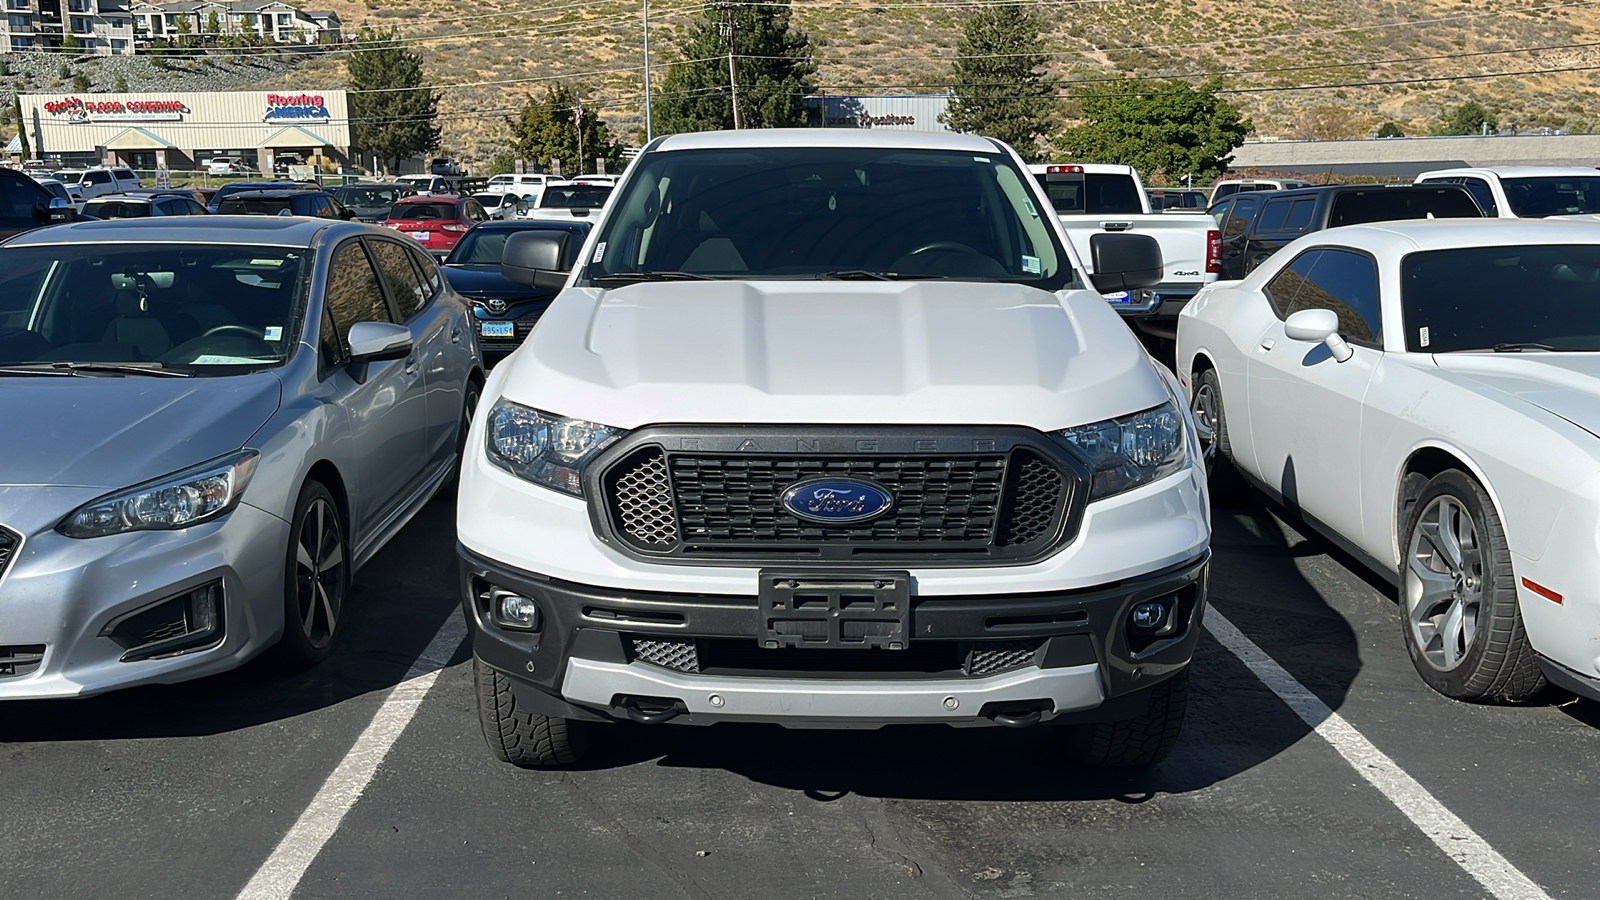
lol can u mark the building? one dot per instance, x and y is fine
(183, 130)
(1407, 157)
(100, 27)
(269, 21)
(906, 112)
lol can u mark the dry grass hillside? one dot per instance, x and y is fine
(1303, 68)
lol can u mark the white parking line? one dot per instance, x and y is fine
(1458, 841)
(281, 873)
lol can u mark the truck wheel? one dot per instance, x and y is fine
(1458, 597)
(523, 739)
(1226, 485)
(1139, 742)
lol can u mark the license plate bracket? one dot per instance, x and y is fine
(867, 610)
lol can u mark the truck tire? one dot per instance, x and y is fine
(1139, 742)
(522, 739)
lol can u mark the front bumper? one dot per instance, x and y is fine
(62, 593)
(584, 660)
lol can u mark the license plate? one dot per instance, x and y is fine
(864, 610)
(499, 329)
(421, 235)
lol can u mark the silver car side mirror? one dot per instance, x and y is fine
(1318, 326)
(378, 341)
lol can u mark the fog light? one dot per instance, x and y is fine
(178, 624)
(514, 611)
(1149, 615)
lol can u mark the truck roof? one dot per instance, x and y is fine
(1088, 168)
(1515, 172)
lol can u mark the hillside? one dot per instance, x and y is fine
(492, 55)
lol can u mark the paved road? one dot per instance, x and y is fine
(186, 791)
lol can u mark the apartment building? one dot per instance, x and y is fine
(98, 27)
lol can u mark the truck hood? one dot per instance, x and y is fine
(114, 432)
(1562, 384)
(833, 352)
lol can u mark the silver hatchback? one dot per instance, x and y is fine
(210, 424)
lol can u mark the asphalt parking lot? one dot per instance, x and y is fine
(191, 790)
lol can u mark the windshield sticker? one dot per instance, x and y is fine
(982, 159)
(1422, 336)
(599, 252)
(1028, 205)
(212, 359)
(1030, 264)
(266, 262)
(273, 333)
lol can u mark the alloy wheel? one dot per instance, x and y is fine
(1444, 583)
(1204, 407)
(319, 573)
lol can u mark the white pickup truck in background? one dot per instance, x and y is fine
(1091, 198)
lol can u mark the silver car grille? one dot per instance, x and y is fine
(9, 542)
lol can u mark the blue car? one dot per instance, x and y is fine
(505, 312)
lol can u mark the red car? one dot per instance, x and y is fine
(437, 221)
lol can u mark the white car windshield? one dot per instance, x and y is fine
(846, 212)
(1534, 297)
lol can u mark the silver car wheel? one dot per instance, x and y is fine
(1444, 583)
(319, 571)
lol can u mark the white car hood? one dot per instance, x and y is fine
(1563, 384)
(832, 352)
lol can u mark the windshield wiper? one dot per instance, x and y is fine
(72, 368)
(1518, 348)
(625, 278)
(869, 275)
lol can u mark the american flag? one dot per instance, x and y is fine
(577, 112)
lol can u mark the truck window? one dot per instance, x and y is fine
(1299, 218)
(1092, 194)
(1394, 204)
(1552, 195)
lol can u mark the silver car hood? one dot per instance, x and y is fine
(1562, 384)
(112, 432)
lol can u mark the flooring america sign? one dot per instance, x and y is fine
(295, 108)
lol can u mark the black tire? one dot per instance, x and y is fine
(314, 595)
(1485, 656)
(523, 739)
(1139, 742)
(1227, 486)
(469, 405)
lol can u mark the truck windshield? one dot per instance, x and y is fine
(814, 212)
(1545, 195)
(1075, 192)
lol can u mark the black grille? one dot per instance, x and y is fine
(8, 548)
(20, 659)
(1007, 505)
(989, 657)
(669, 653)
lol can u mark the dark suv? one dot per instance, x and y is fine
(317, 204)
(1257, 225)
(25, 205)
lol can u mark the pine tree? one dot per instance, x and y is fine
(393, 111)
(998, 86)
(772, 71)
(545, 130)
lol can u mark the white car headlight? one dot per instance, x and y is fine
(179, 500)
(1131, 450)
(543, 448)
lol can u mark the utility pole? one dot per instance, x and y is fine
(649, 129)
(727, 29)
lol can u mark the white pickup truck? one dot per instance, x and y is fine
(1094, 198)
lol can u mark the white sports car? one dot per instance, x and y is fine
(1427, 395)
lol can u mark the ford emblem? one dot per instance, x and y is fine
(836, 501)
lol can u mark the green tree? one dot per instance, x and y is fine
(70, 46)
(80, 82)
(772, 71)
(213, 24)
(545, 130)
(1171, 129)
(22, 125)
(1470, 118)
(122, 84)
(1390, 130)
(393, 110)
(501, 164)
(998, 86)
(184, 30)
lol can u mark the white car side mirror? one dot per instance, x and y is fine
(1318, 326)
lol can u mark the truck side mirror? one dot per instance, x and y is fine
(1124, 262)
(536, 259)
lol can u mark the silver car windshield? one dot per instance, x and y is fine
(209, 310)
(815, 212)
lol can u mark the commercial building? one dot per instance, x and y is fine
(1407, 157)
(904, 112)
(181, 130)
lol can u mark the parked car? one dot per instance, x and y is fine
(1227, 187)
(25, 205)
(227, 165)
(226, 190)
(566, 200)
(86, 184)
(54, 187)
(1525, 192)
(1099, 198)
(991, 514)
(198, 195)
(1164, 199)
(282, 162)
(426, 184)
(371, 200)
(38, 167)
(226, 420)
(437, 222)
(318, 204)
(526, 185)
(1256, 225)
(1424, 394)
(135, 206)
(498, 206)
(443, 165)
(505, 311)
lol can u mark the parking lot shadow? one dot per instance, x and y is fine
(394, 609)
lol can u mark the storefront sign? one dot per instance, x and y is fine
(78, 111)
(295, 108)
(866, 120)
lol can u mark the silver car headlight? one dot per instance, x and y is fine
(544, 448)
(1126, 452)
(179, 500)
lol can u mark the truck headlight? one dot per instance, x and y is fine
(1131, 450)
(543, 448)
(179, 500)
